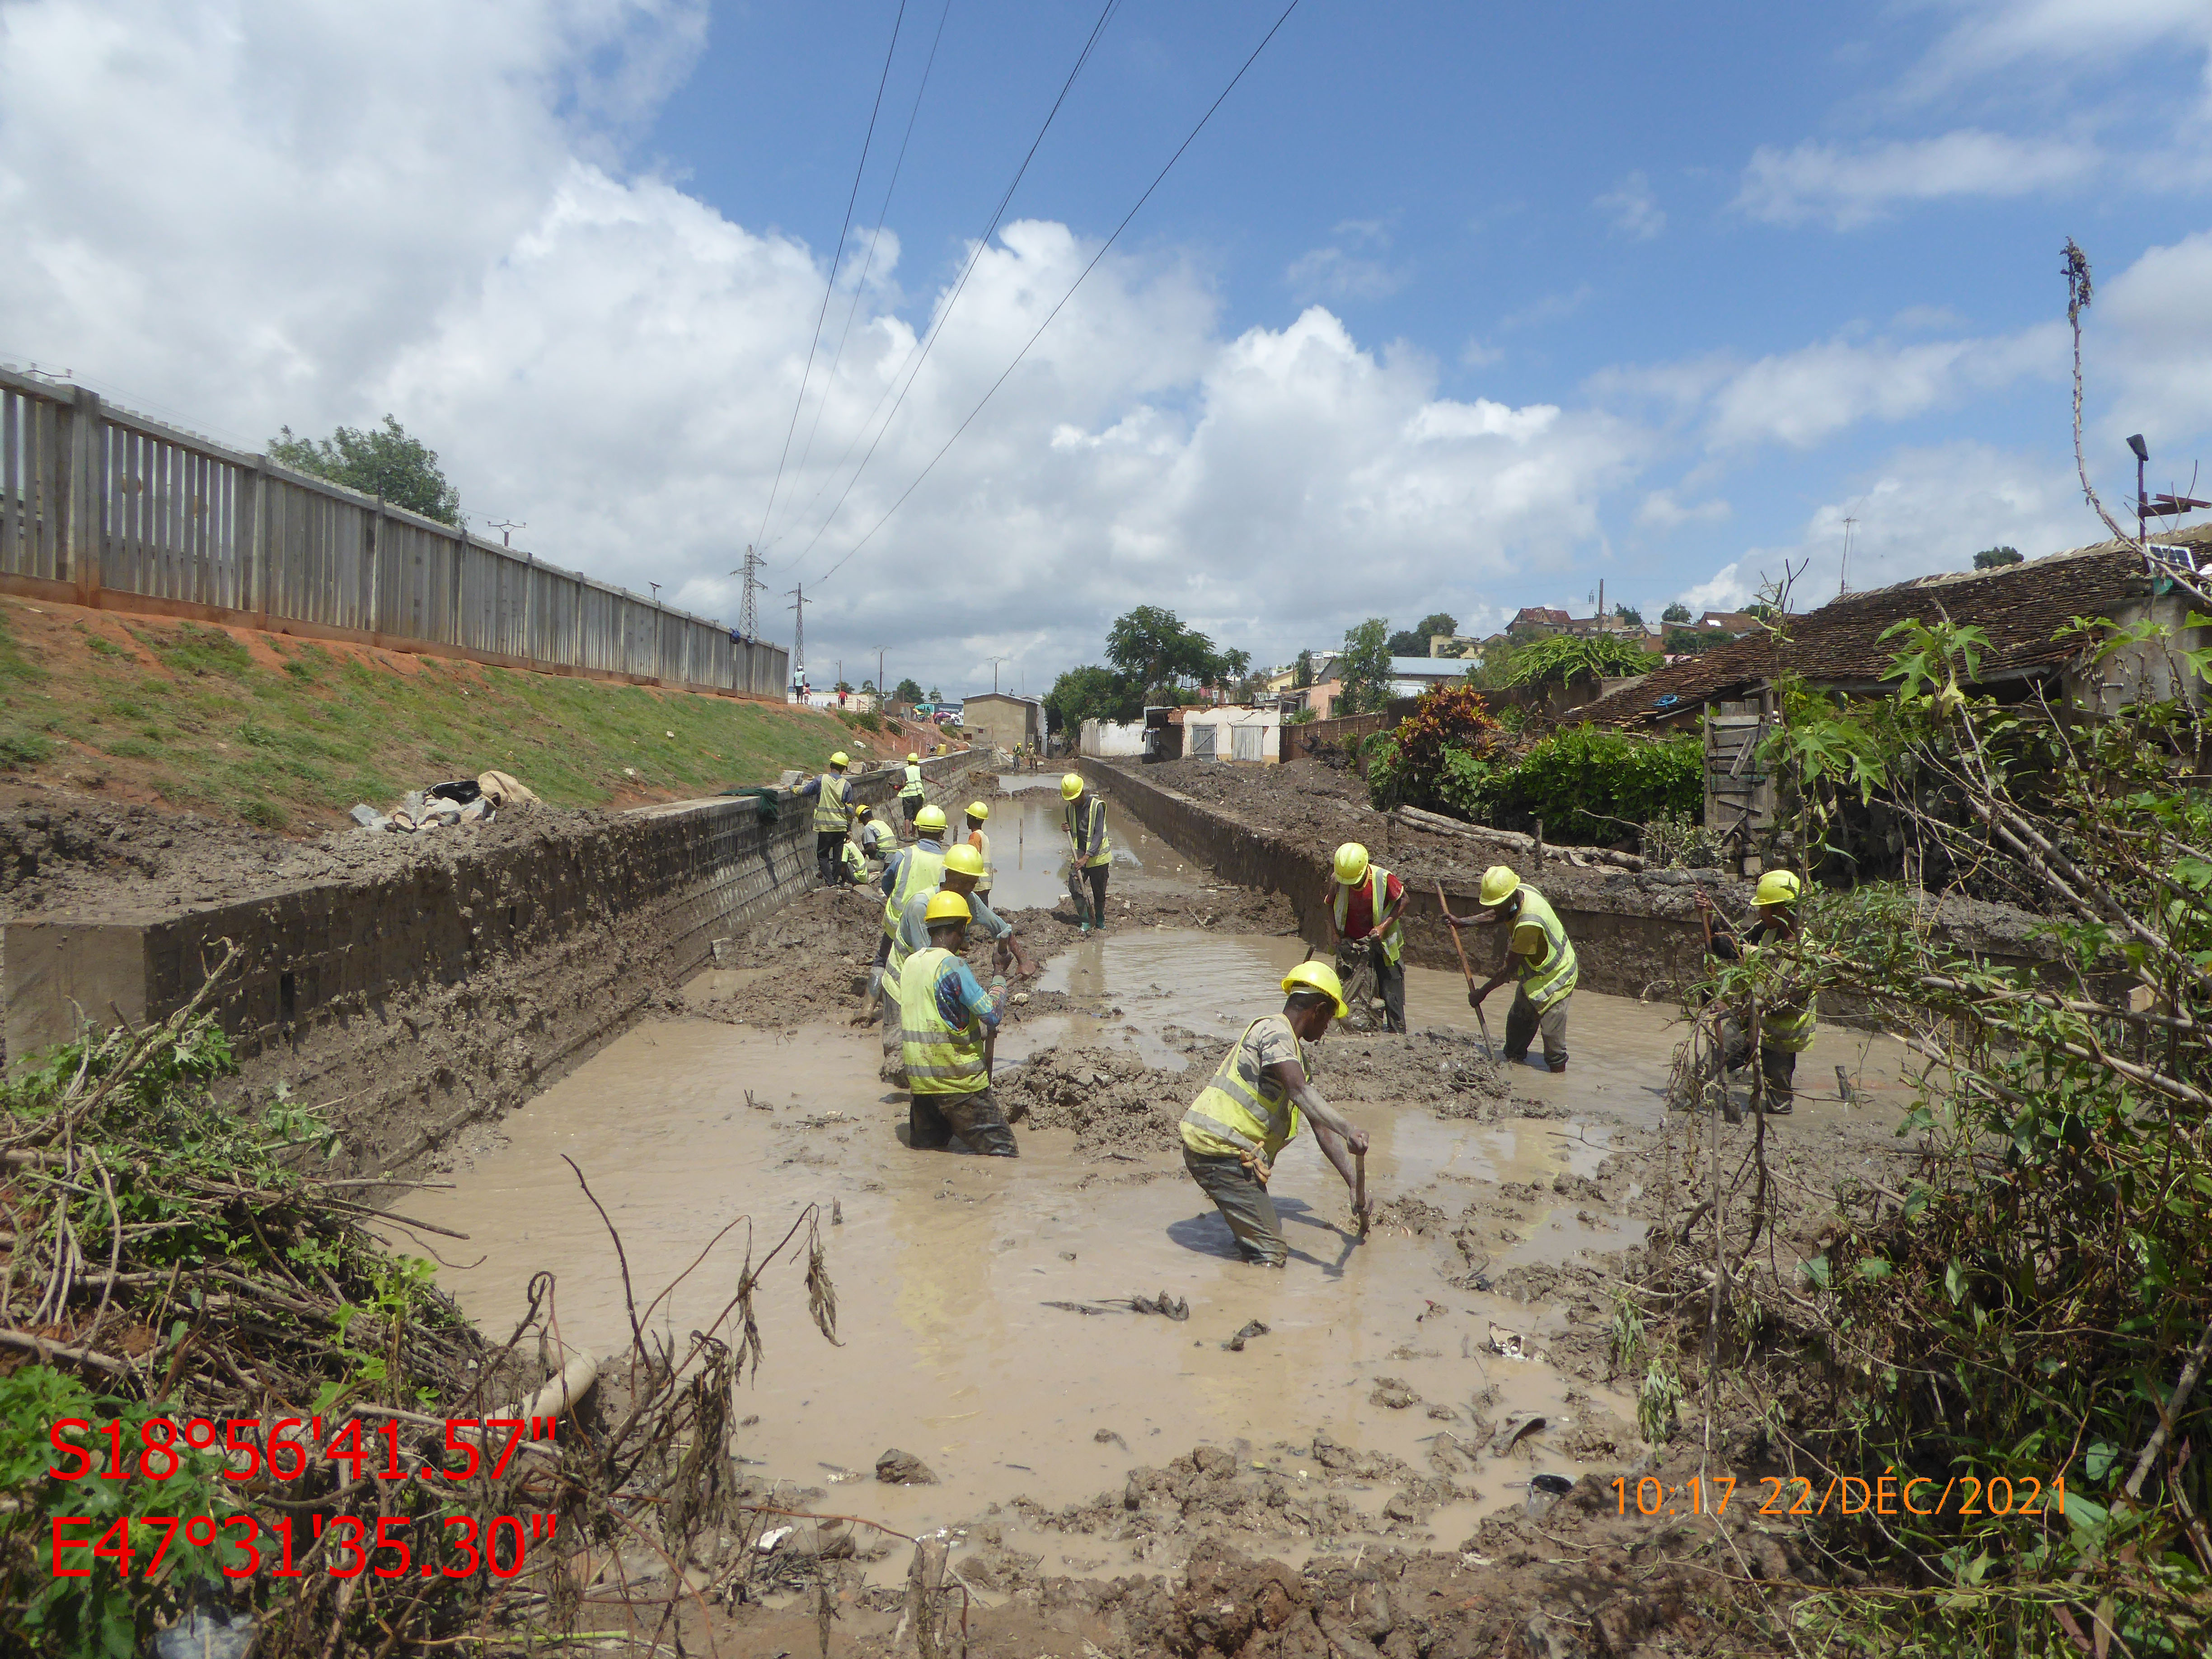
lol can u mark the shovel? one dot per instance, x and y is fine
(1359, 1189)
(1489, 1048)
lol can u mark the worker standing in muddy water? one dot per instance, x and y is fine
(1537, 954)
(1239, 1126)
(977, 812)
(963, 869)
(909, 793)
(1090, 850)
(1786, 1030)
(1366, 906)
(946, 1021)
(915, 869)
(832, 813)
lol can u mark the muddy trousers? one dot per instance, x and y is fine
(1245, 1204)
(1091, 877)
(828, 857)
(933, 1122)
(1389, 985)
(1777, 1066)
(1523, 1024)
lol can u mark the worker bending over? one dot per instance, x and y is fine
(876, 839)
(1090, 850)
(910, 793)
(1239, 1126)
(1537, 954)
(947, 1021)
(1367, 904)
(977, 812)
(1786, 1026)
(963, 866)
(915, 869)
(832, 812)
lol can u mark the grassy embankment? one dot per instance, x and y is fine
(288, 734)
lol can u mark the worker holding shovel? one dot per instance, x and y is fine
(1367, 904)
(1537, 954)
(1243, 1119)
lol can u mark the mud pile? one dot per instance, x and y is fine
(1446, 1071)
(1117, 1105)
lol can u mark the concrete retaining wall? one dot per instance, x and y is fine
(456, 987)
(1634, 933)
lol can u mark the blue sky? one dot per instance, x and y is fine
(1450, 308)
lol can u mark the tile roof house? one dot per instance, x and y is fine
(2023, 608)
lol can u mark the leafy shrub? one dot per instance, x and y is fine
(1563, 658)
(23, 749)
(1406, 765)
(1589, 785)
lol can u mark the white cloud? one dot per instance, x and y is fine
(1548, 308)
(1804, 397)
(1661, 511)
(1922, 511)
(1845, 188)
(1331, 273)
(1993, 35)
(1634, 211)
(2151, 330)
(422, 207)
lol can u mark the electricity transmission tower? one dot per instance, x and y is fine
(799, 636)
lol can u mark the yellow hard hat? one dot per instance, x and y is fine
(911, 755)
(1351, 862)
(861, 810)
(946, 907)
(963, 860)
(1498, 885)
(1071, 785)
(978, 810)
(1527, 940)
(840, 759)
(1318, 976)
(930, 817)
(1778, 887)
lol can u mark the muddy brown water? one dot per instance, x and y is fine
(1029, 848)
(945, 1263)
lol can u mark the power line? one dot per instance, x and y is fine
(830, 381)
(830, 287)
(919, 353)
(1103, 251)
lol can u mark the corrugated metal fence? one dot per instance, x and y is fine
(100, 506)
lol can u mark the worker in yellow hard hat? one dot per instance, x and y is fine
(878, 839)
(833, 812)
(962, 872)
(912, 870)
(1366, 904)
(1537, 955)
(1787, 1019)
(978, 811)
(1090, 850)
(1240, 1123)
(910, 792)
(947, 1021)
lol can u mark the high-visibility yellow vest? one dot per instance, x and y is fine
(1545, 978)
(1789, 1029)
(876, 839)
(829, 809)
(1080, 829)
(854, 864)
(913, 784)
(940, 1058)
(1251, 1114)
(919, 870)
(1378, 885)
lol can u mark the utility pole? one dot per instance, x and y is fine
(1844, 581)
(995, 662)
(506, 528)
(2142, 459)
(799, 639)
(883, 692)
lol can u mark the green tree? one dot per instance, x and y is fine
(1365, 668)
(1090, 693)
(1301, 674)
(1435, 622)
(1151, 648)
(1996, 558)
(908, 691)
(1676, 612)
(1563, 658)
(869, 687)
(1629, 614)
(380, 461)
(936, 696)
(846, 687)
(1696, 642)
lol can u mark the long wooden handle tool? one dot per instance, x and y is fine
(1359, 1189)
(1489, 1050)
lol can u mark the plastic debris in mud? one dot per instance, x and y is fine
(1511, 1344)
(1252, 1329)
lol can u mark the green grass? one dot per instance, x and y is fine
(296, 744)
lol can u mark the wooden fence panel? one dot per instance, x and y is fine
(30, 484)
